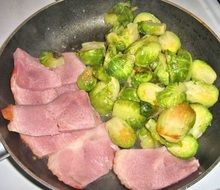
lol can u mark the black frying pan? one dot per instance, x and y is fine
(65, 25)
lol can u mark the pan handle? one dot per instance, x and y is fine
(3, 153)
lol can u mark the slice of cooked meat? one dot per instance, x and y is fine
(25, 96)
(44, 145)
(30, 74)
(85, 160)
(70, 111)
(150, 169)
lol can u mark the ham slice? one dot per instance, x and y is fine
(32, 75)
(45, 145)
(150, 169)
(70, 111)
(85, 160)
(33, 84)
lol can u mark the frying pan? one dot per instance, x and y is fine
(63, 26)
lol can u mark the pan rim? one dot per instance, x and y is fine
(5, 43)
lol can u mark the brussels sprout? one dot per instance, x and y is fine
(121, 66)
(129, 94)
(140, 42)
(139, 78)
(146, 140)
(174, 123)
(178, 67)
(51, 59)
(130, 112)
(92, 53)
(149, 27)
(86, 81)
(110, 53)
(161, 70)
(170, 41)
(203, 120)
(104, 94)
(121, 133)
(183, 53)
(147, 54)
(186, 149)
(101, 74)
(172, 95)
(147, 92)
(145, 16)
(200, 70)
(121, 14)
(125, 38)
(202, 93)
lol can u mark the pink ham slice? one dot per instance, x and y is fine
(70, 111)
(25, 96)
(150, 169)
(30, 74)
(85, 160)
(44, 145)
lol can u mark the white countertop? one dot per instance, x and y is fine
(13, 12)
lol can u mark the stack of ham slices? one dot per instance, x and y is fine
(56, 120)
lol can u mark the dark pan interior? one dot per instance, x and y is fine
(63, 27)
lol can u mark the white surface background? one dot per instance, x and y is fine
(13, 12)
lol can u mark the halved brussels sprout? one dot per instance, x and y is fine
(86, 81)
(146, 140)
(130, 112)
(161, 70)
(147, 54)
(104, 94)
(139, 78)
(121, 66)
(147, 92)
(145, 16)
(172, 95)
(170, 41)
(178, 67)
(185, 149)
(203, 120)
(129, 93)
(174, 123)
(202, 93)
(140, 42)
(121, 14)
(121, 133)
(121, 41)
(200, 70)
(51, 59)
(92, 53)
(152, 28)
